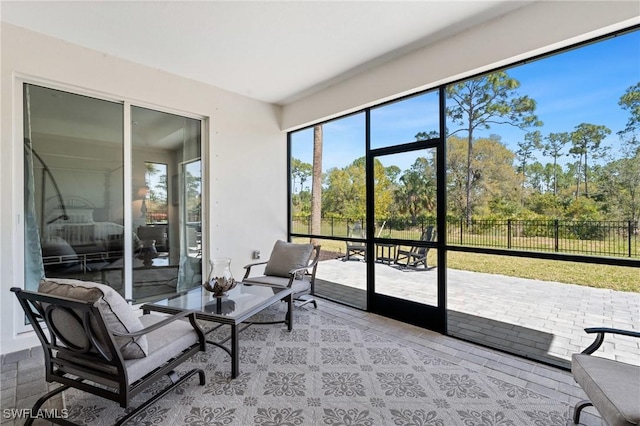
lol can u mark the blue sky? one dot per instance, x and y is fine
(578, 86)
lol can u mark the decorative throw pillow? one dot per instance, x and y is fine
(287, 256)
(117, 313)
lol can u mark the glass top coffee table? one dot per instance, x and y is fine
(233, 309)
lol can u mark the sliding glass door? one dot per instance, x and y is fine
(81, 166)
(74, 171)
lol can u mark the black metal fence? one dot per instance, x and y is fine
(601, 238)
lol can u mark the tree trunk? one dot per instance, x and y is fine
(555, 176)
(578, 175)
(467, 210)
(316, 183)
(586, 188)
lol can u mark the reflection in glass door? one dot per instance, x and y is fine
(74, 162)
(166, 189)
(76, 173)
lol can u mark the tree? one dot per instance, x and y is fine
(392, 173)
(316, 182)
(416, 193)
(456, 175)
(300, 171)
(494, 181)
(532, 140)
(626, 172)
(345, 193)
(631, 101)
(620, 185)
(425, 136)
(586, 139)
(537, 178)
(480, 102)
(553, 147)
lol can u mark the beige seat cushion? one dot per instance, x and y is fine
(299, 285)
(117, 313)
(164, 343)
(287, 256)
(612, 386)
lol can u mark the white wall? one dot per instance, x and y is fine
(246, 155)
(538, 28)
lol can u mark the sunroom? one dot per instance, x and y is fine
(141, 140)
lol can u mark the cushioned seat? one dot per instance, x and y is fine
(93, 341)
(299, 285)
(290, 265)
(613, 387)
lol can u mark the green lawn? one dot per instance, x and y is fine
(619, 278)
(601, 276)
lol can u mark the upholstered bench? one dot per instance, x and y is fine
(613, 387)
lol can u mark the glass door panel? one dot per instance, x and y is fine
(328, 199)
(73, 186)
(405, 227)
(166, 193)
(405, 121)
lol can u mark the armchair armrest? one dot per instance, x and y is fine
(293, 272)
(600, 337)
(250, 265)
(192, 318)
(308, 267)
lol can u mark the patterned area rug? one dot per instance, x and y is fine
(326, 372)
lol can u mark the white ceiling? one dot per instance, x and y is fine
(273, 51)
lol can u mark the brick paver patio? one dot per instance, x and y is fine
(540, 320)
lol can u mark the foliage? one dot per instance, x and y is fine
(494, 180)
(586, 140)
(345, 192)
(630, 101)
(480, 102)
(417, 191)
(488, 180)
(300, 172)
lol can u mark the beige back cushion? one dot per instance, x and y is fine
(118, 315)
(287, 256)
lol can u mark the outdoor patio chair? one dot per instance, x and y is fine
(613, 387)
(356, 248)
(94, 342)
(416, 255)
(290, 265)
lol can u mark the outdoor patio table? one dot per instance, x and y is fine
(385, 253)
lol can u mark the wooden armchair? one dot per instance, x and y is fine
(416, 255)
(356, 248)
(95, 343)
